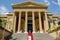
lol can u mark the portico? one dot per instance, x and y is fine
(26, 21)
(30, 17)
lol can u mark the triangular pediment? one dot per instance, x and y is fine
(30, 4)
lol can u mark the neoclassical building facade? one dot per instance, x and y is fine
(30, 16)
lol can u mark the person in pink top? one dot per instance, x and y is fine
(30, 36)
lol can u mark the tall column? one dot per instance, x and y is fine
(19, 24)
(26, 19)
(14, 23)
(51, 22)
(33, 20)
(46, 22)
(40, 24)
(56, 22)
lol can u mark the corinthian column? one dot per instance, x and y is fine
(14, 23)
(56, 22)
(19, 24)
(46, 22)
(26, 22)
(40, 24)
(33, 20)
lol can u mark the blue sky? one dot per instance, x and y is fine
(54, 5)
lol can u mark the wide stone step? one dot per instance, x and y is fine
(42, 36)
(20, 36)
(36, 36)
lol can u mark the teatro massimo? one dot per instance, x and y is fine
(31, 17)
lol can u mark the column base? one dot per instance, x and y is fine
(19, 32)
(25, 32)
(34, 32)
(41, 32)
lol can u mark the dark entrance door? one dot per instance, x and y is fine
(30, 25)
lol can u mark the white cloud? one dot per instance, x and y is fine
(54, 2)
(47, 2)
(59, 2)
(3, 10)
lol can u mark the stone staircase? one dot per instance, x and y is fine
(37, 36)
(19, 36)
(42, 36)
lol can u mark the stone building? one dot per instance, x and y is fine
(30, 16)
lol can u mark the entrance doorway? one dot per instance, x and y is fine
(30, 25)
(29, 22)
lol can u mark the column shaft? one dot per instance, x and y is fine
(40, 24)
(56, 22)
(46, 22)
(26, 21)
(19, 24)
(51, 22)
(14, 23)
(33, 20)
